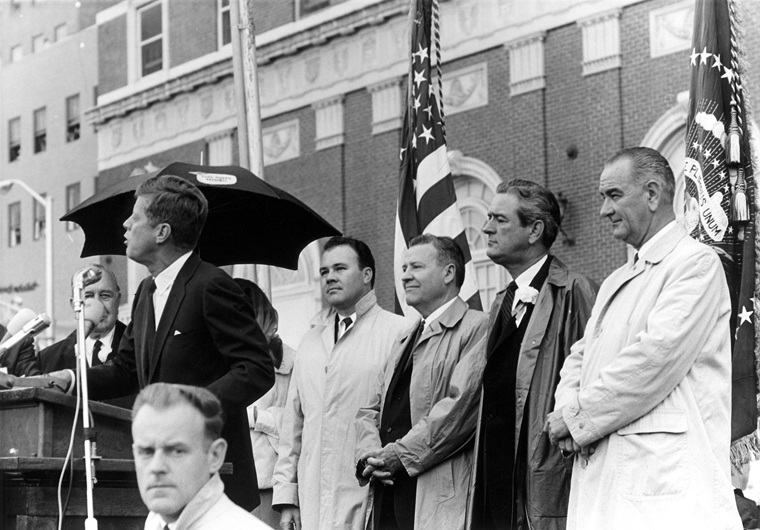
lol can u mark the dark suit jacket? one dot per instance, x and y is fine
(207, 337)
(62, 356)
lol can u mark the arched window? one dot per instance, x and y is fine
(475, 184)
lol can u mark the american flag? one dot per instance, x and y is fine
(719, 192)
(427, 202)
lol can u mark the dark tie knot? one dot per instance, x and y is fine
(347, 322)
(152, 286)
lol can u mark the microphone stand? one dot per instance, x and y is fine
(89, 432)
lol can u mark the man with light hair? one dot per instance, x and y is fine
(178, 451)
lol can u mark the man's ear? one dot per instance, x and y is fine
(536, 232)
(449, 273)
(367, 276)
(654, 194)
(216, 453)
(164, 231)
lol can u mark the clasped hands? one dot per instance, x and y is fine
(559, 435)
(379, 465)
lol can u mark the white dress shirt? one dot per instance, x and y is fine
(523, 281)
(105, 346)
(438, 312)
(164, 282)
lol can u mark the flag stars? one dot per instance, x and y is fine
(696, 146)
(427, 134)
(704, 55)
(717, 64)
(422, 53)
(419, 78)
(729, 74)
(708, 154)
(429, 110)
(417, 103)
(694, 56)
(715, 163)
(744, 316)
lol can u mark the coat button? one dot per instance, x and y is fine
(581, 425)
(489, 417)
(389, 429)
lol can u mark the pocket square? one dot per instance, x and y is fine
(177, 332)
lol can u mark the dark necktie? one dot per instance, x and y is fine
(95, 351)
(346, 323)
(412, 342)
(150, 319)
(506, 306)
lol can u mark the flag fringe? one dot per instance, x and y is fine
(745, 450)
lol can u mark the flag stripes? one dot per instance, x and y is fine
(427, 199)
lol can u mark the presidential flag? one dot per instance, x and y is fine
(719, 195)
(427, 201)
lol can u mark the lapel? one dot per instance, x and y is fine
(449, 319)
(68, 355)
(171, 309)
(117, 333)
(630, 270)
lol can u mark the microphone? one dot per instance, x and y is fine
(18, 321)
(31, 329)
(91, 276)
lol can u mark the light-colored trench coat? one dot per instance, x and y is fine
(649, 386)
(330, 381)
(447, 366)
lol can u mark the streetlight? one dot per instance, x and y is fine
(47, 203)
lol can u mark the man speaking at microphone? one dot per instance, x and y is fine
(191, 324)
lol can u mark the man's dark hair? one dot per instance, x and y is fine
(536, 203)
(363, 252)
(648, 163)
(448, 252)
(162, 396)
(178, 203)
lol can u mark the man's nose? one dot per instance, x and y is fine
(606, 208)
(488, 227)
(157, 463)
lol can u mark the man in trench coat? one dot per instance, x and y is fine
(521, 481)
(645, 396)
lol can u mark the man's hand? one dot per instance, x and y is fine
(62, 379)
(380, 464)
(556, 427)
(6, 381)
(290, 518)
(94, 311)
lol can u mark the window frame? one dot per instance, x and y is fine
(14, 225)
(14, 150)
(57, 33)
(39, 135)
(38, 219)
(73, 189)
(222, 11)
(73, 124)
(141, 43)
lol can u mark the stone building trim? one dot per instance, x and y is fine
(465, 89)
(526, 65)
(671, 28)
(386, 105)
(601, 42)
(281, 142)
(329, 123)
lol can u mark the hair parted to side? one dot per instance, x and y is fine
(98, 267)
(648, 163)
(536, 203)
(162, 396)
(366, 259)
(177, 202)
(448, 252)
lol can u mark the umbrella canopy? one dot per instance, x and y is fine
(249, 220)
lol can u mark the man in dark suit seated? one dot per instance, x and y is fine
(191, 324)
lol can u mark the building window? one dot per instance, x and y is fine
(14, 224)
(151, 41)
(61, 32)
(72, 118)
(39, 43)
(72, 199)
(38, 228)
(219, 150)
(14, 139)
(225, 33)
(16, 53)
(40, 130)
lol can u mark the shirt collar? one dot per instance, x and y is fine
(105, 340)
(526, 278)
(438, 312)
(167, 276)
(649, 244)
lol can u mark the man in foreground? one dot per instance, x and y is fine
(178, 451)
(413, 434)
(644, 399)
(336, 370)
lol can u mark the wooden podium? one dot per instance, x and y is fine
(35, 429)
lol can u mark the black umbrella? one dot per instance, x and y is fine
(249, 220)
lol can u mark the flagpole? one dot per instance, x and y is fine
(249, 110)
